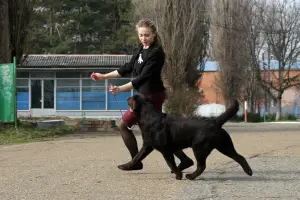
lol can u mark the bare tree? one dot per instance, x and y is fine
(184, 30)
(20, 12)
(14, 20)
(230, 47)
(277, 27)
(4, 33)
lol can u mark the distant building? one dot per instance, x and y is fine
(60, 85)
(290, 98)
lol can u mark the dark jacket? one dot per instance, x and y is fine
(147, 77)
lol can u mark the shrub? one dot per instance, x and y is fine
(252, 117)
(182, 102)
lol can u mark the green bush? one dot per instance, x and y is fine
(237, 118)
(291, 117)
(269, 118)
(272, 118)
(253, 117)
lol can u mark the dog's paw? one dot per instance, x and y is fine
(190, 176)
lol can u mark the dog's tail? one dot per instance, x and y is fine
(228, 114)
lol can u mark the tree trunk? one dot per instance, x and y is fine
(278, 107)
(4, 33)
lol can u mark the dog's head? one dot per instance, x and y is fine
(135, 102)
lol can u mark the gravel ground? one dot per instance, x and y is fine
(85, 168)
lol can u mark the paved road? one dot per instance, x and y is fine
(85, 168)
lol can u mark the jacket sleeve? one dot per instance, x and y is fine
(126, 70)
(152, 67)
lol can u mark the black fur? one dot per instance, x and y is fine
(169, 133)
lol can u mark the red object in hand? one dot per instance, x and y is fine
(93, 76)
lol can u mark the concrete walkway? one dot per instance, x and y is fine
(85, 168)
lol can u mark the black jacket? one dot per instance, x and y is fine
(147, 77)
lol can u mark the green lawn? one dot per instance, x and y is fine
(10, 135)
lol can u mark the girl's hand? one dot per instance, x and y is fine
(114, 89)
(97, 76)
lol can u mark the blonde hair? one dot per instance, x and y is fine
(148, 23)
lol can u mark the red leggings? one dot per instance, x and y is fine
(158, 99)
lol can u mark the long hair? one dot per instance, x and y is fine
(150, 24)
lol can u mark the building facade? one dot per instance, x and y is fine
(290, 98)
(60, 85)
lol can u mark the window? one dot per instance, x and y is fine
(93, 95)
(67, 75)
(67, 94)
(22, 94)
(120, 100)
(22, 74)
(86, 74)
(40, 75)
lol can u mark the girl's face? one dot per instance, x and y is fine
(146, 36)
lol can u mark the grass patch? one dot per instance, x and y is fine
(10, 135)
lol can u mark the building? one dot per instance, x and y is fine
(290, 98)
(60, 85)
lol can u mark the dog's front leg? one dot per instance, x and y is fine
(143, 153)
(169, 157)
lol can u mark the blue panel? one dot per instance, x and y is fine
(93, 100)
(93, 105)
(67, 105)
(22, 105)
(67, 100)
(22, 100)
(121, 102)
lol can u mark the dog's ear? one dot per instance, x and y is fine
(133, 105)
(130, 102)
(136, 103)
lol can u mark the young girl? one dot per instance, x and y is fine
(146, 66)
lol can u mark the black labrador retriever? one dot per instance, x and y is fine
(168, 133)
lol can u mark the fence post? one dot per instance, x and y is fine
(15, 91)
(246, 111)
(83, 121)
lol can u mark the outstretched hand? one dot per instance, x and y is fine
(97, 76)
(114, 89)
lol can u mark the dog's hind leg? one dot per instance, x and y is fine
(201, 152)
(169, 157)
(185, 161)
(226, 147)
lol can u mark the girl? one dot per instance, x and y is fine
(146, 66)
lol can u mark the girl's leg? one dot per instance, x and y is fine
(130, 142)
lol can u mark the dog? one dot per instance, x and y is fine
(168, 133)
